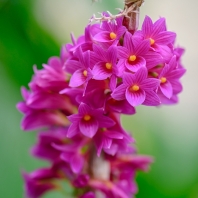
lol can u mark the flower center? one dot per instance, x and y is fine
(108, 65)
(112, 35)
(134, 88)
(152, 41)
(85, 73)
(87, 117)
(132, 58)
(163, 79)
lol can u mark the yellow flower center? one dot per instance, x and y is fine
(152, 41)
(112, 35)
(85, 73)
(87, 117)
(134, 88)
(132, 58)
(163, 79)
(108, 65)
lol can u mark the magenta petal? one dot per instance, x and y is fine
(123, 53)
(152, 59)
(113, 82)
(150, 84)
(73, 130)
(128, 78)
(38, 119)
(88, 195)
(121, 31)
(167, 89)
(164, 71)
(152, 99)
(147, 26)
(173, 100)
(74, 118)
(71, 66)
(135, 98)
(165, 51)
(121, 67)
(112, 54)
(86, 59)
(173, 63)
(99, 144)
(127, 108)
(72, 92)
(128, 42)
(25, 93)
(66, 156)
(113, 150)
(22, 107)
(67, 150)
(158, 27)
(99, 52)
(142, 48)
(165, 38)
(88, 128)
(103, 36)
(114, 135)
(84, 109)
(80, 181)
(45, 100)
(34, 187)
(105, 25)
(122, 107)
(77, 78)
(77, 163)
(94, 59)
(119, 92)
(176, 74)
(79, 53)
(100, 72)
(135, 65)
(87, 47)
(120, 192)
(105, 121)
(119, 21)
(141, 75)
(107, 142)
(177, 86)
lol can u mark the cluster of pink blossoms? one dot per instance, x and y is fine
(76, 101)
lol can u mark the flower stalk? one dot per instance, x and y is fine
(131, 16)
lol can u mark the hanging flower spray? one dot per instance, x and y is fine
(77, 99)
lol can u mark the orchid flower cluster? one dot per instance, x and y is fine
(77, 99)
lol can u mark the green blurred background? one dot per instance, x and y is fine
(33, 30)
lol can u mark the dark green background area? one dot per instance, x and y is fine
(23, 43)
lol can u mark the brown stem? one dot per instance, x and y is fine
(131, 20)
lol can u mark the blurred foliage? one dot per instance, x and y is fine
(23, 43)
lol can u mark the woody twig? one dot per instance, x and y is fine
(131, 18)
(130, 13)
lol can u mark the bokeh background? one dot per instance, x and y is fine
(33, 30)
